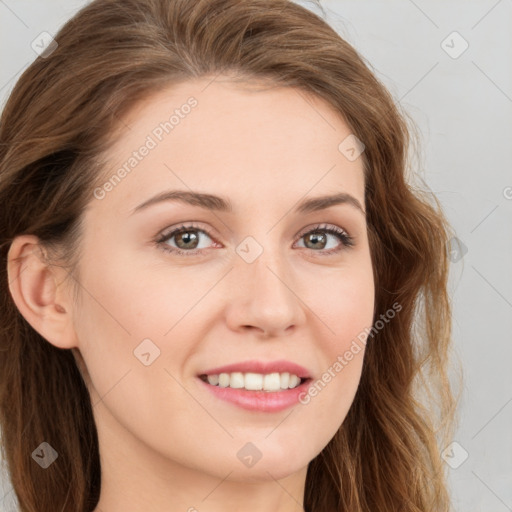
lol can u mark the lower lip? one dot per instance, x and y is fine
(263, 401)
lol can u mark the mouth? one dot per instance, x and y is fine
(259, 393)
(255, 385)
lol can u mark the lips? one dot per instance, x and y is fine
(263, 367)
(258, 401)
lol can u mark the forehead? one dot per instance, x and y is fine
(239, 140)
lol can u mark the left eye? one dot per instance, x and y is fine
(187, 239)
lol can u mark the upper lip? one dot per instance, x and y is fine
(254, 366)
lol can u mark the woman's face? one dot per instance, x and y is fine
(243, 284)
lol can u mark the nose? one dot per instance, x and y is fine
(262, 298)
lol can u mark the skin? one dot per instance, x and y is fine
(167, 444)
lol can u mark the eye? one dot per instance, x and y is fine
(187, 239)
(318, 238)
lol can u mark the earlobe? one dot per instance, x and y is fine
(33, 287)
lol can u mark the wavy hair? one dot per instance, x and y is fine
(64, 113)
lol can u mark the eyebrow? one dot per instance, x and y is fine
(217, 203)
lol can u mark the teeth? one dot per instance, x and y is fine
(272, 382)
(294, 381)
(213, 379)
(223, 380)
(252, 381)
(236, 380)
(255, 381)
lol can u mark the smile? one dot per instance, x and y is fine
(270, 382)
(258, 400)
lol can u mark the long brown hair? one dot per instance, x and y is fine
(62, 115)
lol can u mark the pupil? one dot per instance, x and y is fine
(187, 238)
(315, 237)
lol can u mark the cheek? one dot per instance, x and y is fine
(135, 300)
(344, 304)
(344, 312)
(127, 302)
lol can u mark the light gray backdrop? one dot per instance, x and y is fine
(449, 64)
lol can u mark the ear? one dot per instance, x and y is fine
(33, 284)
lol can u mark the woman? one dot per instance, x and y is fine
(219, 290)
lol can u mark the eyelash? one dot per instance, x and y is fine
(346, 240)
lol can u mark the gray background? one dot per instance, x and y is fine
(463, 109)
